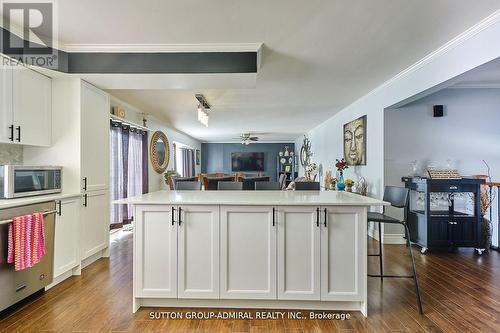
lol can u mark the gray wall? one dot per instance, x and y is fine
(468, 133)
(216, 157)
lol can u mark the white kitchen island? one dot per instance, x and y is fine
(251, 249)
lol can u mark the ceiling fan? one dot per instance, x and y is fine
(247, 138)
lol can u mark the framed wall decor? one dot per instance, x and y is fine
(197, 157)
(159, 151)
(355, 141)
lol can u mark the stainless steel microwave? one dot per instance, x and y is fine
(22, 181)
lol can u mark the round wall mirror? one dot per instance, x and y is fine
(159, 151)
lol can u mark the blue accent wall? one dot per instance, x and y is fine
(216, 157)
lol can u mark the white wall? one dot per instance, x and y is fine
(473, 48)
(468, 133)
(156, 181)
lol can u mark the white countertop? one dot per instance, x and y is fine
(9, 203)
(258, 198)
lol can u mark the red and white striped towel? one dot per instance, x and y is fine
(26, 241)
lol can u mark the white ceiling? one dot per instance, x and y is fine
(318, 56)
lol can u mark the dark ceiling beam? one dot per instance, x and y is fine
(137, 62)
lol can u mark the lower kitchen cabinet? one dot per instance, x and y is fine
(94, 223)
(248, 252)
(280, 253)
(178, 247)
(299, 253)
(155, 244)
(343, 248)
(67, 236)
(198, 251)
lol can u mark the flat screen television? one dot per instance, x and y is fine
(247, 162)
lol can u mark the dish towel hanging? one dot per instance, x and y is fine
(26, 241)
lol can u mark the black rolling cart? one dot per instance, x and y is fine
(444, 213)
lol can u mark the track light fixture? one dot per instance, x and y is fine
(203, 109)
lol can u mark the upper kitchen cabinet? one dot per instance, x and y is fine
(31, 105)
(6, 119)
(94, 138)
(26, 106)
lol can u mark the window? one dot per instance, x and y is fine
(184, 160)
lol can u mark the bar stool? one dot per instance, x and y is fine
(398, 197)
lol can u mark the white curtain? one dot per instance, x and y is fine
(134, 179)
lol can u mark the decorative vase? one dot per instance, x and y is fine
(349, 188)
(340, 182)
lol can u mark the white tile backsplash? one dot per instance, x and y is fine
(11, 154)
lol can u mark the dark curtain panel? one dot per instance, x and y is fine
(145, 164)
(128, 168)
(125, 143)
(193, 162)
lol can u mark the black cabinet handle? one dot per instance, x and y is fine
(18, 129)
(85, 183)
(317, 217)
(59, 211)
(179, 217)
(173, 215)
(326, 215)
(85, 200)
(274, 221)
(11, 136)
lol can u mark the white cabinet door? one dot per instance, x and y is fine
(155, 248)
(94, 138)
(6, 119)
(198, 249)
(94, 222)
(67, 236)
(248, 252)
(32, 107)
(343, 263)
(299, 253)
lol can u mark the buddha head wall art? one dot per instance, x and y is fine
(355, 142)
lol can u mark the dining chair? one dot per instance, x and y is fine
(174, 180)
(249, 182)
(267, 186)
(211, 183)
(229, 186)
(188, 186)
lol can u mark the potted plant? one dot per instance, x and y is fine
(168, 176)
(349, 183)
(341, 165)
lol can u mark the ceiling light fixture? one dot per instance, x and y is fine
(203, 109)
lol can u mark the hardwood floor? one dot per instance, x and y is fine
(460, 292)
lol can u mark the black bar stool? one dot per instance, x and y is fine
(398, 197)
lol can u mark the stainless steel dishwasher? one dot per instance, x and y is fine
(15, 286)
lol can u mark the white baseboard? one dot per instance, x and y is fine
(387, 238)
(58, 279)
(251, 304)
(93, 258)
(394, 239)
